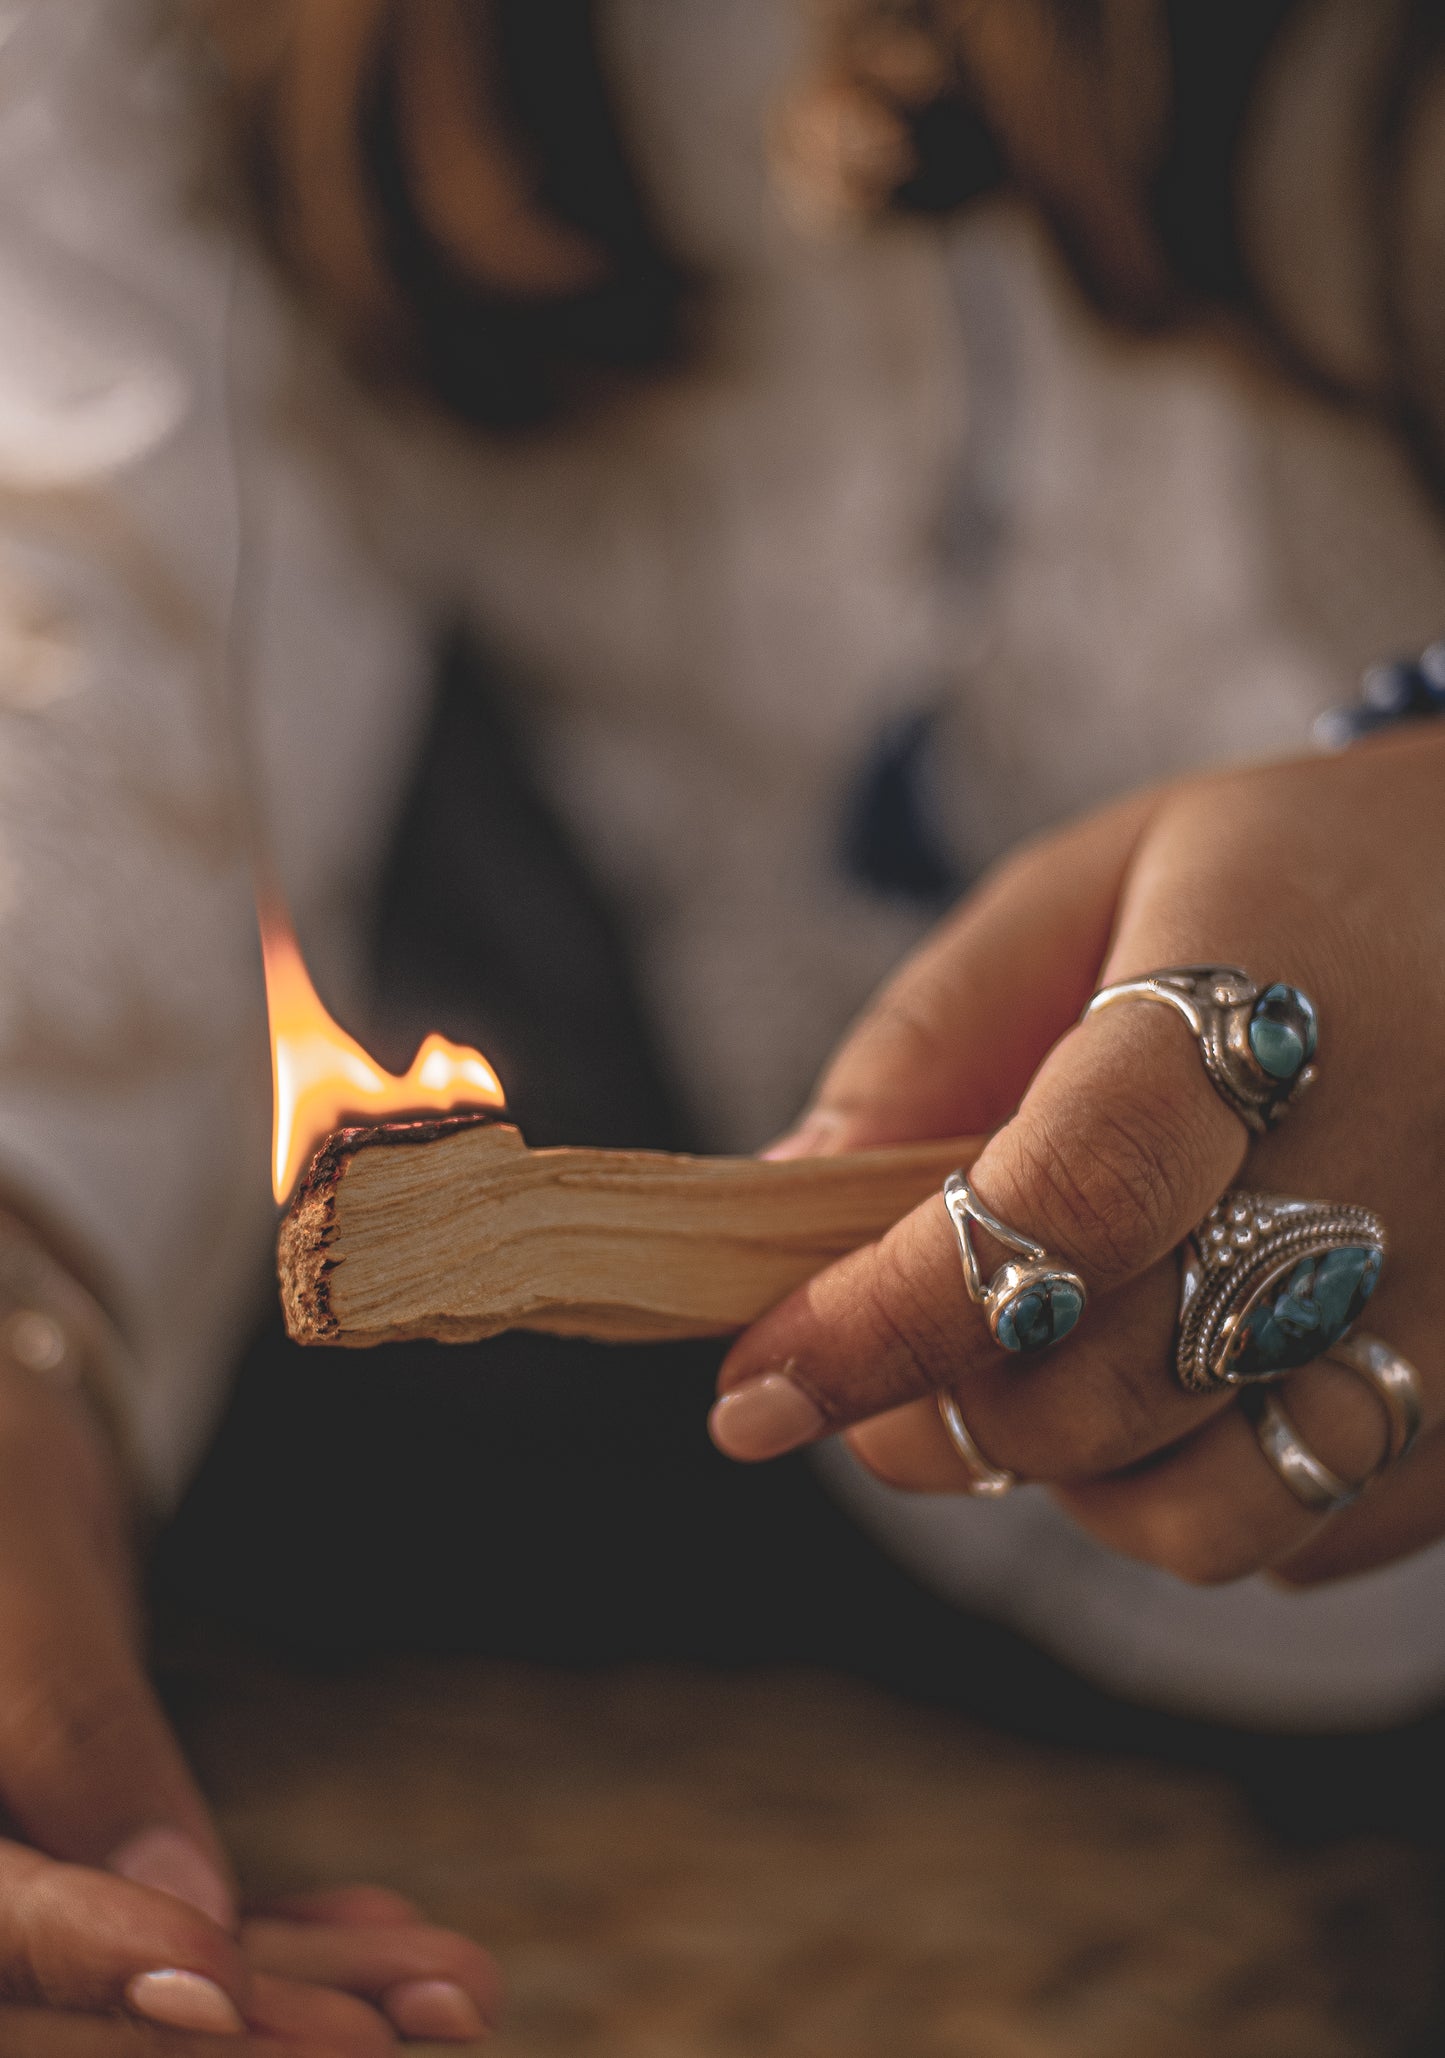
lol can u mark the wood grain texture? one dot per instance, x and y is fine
(456, 1230)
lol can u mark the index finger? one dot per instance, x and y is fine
(1119, 1150)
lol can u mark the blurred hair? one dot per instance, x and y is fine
(447, 178)
(1187, 153)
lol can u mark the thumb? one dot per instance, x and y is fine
(89, 1769)
(950, 1044)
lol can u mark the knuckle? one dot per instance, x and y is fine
(44, 1961)
(1075, 1452)
(1114, 1198)
(910, 1348)
(900, 1041)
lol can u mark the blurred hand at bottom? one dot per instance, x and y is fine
(119, 1931)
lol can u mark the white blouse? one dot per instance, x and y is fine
(912, 474)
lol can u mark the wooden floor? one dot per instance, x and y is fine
(677, 1865)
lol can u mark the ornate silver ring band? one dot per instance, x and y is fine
(1269, 1283)
(1314, 1485)
(1257, 1043)
(1033, 1300)
(986, 1482)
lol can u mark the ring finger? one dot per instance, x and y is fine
(1102, 1401)
(1215, 1508)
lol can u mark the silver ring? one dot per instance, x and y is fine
(986, 1482)
(1257, 1043)
(1392, 1378)
(1396, 1384)
(1312, 1483)
(1029, 1304)
(1269, 1284)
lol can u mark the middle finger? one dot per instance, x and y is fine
(1120, 1147)
(880, 1328)
(1097, 1405)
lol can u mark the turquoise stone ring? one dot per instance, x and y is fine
(1270, 1284)
(1283, 1033)
(1041, 1313)
(1258, 1044)
(1033, 1300)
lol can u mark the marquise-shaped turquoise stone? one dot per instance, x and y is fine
(1040, 1315)
(1283, 1031)
(1307, 1315)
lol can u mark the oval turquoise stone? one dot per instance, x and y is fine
(1283, 1030)
(1040, 1315)
(1306, 1315)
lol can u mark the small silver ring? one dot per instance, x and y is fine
(986, 1482)
(1311, 1482)
(1395, 1383)
(1032, 1301)
(1257, 1043)
(1269, 1283)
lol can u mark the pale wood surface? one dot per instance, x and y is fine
(464, 1232)
(675, 1864)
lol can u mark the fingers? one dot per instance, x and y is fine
(950, 1044)
(320, 2022)
(1119, 1149)
(72, 1938)
(1214, 1510)
(429, 1982)
(367, 1907)
(79, 1941)
(1095, 1405)
(1400, 1515)
(41, 2033)
(893, 1322)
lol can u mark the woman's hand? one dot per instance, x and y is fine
(114, 1893)
(1328, 873)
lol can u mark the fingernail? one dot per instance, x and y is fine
(816, 1136)
(434, 2008)
(174, 1863)
(184, 2000)
(765, 1418)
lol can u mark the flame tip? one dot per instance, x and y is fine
(323, 1079)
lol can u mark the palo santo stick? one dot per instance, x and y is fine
(456, 1230)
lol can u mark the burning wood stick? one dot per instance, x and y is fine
(454, 1229)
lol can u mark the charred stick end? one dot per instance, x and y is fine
(304, 1264)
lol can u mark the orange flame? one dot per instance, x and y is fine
(323, 1079)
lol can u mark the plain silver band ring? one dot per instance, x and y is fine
(986, 1482)
(1312, 1483)
(1395, 1383)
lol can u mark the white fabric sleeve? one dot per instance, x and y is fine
(134, 1079)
